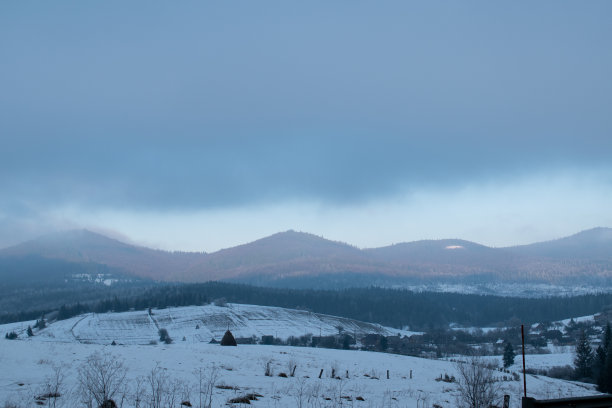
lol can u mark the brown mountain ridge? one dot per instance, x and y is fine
(586, 255)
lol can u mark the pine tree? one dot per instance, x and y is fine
(509, 355)
(583, 361)
(30, 332)
(606, 385)
(601, 355)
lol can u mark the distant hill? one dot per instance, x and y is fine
(286, 254)
(446, 257)
(86, 246)
(594, 244)
(302, 259)
(200, 324)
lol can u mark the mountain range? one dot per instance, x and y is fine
(299, 259)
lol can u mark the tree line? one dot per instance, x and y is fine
(391, 307)
(595, 365)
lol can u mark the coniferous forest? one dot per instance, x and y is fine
(390, 307)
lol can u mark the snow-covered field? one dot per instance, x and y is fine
(29, 364)
(538, 361)
(199, 324)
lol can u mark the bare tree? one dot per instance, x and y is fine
(477, 385)
(139, 392)
(173, 393)
(300, 392)
(158, 382)
(54, 385)
(185, 391)
(101, 378)
(206, 385)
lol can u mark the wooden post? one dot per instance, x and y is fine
(524, 374)
(387, 374)
(411, 374)
(321, 373)
(347, 376)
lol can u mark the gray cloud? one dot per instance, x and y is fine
(185, 107)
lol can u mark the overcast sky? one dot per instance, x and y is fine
(202, 125)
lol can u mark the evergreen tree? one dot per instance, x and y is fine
(601, 355)
(40, 323)
(509, 355)
(383, 343)
(30, 333)
(346, 342)
(583, 362)
(606, 377)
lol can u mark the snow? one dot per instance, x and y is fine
(473, 330)
(28, 363)
(581, 319)
(200, 324)
(537, 361)
(530, 290)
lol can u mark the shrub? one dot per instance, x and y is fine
(101, 377)
(221, 302)
(11, 335)
(562, 372)
(164, 336)
(476, 384)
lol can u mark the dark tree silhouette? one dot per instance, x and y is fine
(509, 355)
(164, 336)
(583, 362)
(228, 339)
(601, 355)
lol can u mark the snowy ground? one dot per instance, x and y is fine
(538, 361)
(28, 364)
(199, 324)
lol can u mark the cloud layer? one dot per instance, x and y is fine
(196, 108)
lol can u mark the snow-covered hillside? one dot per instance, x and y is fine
(198, 324)
(30, 364)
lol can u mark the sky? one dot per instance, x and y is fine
(202, 125)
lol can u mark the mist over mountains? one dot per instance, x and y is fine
(297, 259)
